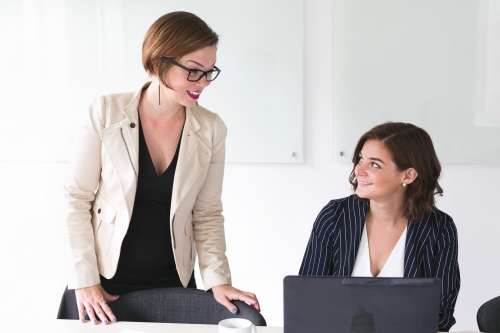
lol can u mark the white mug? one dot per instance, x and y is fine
(236, 325)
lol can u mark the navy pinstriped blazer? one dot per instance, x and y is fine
(431, 248)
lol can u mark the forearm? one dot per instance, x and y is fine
(83, 271)
(208, 222)
(448, 271)
(211, 248)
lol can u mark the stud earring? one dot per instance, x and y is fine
(404, 184)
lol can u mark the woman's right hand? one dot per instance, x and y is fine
(93, 302)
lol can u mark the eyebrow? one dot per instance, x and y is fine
(377, 159)
(373, 158)
(201, 65)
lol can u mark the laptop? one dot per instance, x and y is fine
(314, 304)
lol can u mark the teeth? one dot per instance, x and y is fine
(194, 93)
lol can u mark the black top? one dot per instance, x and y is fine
(431, 249)
(146, 257)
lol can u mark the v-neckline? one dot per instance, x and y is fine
(401, 238)
(148, 153)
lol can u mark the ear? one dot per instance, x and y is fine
(409, 176)
(156, 69)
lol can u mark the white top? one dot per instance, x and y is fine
(393, 267)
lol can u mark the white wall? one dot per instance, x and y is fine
(269, 210)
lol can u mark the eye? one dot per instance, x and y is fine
(375, 165)
(196, 71)
(195, 74)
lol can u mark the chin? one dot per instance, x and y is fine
(363, 194)
(360, 194)
(189, 103)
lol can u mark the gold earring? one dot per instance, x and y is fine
(159, 102)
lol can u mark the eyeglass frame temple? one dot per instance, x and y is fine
(190, 70)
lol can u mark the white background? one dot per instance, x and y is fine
(269, 210)
(61, 54)
(429, 63)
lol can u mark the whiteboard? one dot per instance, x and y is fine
(65, 53)
(432, 63)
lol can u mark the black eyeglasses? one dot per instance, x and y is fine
(194, 74)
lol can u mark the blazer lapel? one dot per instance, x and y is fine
(356, 215)
(130, 131)
(416, 237)
(122, 145)
(193, 155)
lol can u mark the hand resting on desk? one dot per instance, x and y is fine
(93, 302)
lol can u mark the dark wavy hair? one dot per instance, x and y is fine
(410, 147)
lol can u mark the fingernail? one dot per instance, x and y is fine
(234, 310)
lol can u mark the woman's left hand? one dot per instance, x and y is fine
(225, 293)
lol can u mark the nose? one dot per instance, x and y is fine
(204, 82)
(360, 170)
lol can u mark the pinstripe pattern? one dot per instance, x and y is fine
(431, 248)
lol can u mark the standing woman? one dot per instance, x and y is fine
(390, 226)
(144, 193)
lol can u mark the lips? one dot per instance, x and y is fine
(193, 94)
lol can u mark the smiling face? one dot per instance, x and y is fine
(182, 91)
(378, 177)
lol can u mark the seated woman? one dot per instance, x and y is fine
(390, 226)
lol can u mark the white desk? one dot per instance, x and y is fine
(74, 326)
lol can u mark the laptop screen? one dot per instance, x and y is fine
(360, 305)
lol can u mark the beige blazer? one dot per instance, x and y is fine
(101, 186)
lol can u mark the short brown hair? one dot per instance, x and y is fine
(172, 36)
(410, 147)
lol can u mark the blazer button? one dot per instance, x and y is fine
(132, 125)
(99, 211)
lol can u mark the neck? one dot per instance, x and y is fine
(163, 107)
(387, 212)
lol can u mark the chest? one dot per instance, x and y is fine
(382, 264)
(161, 142)
(381, 243)
(381, 252)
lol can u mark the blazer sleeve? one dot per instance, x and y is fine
(80, 188)
(318, 255)
(208, 221)
(447, 270)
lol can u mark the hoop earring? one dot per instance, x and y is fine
(159, 101)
